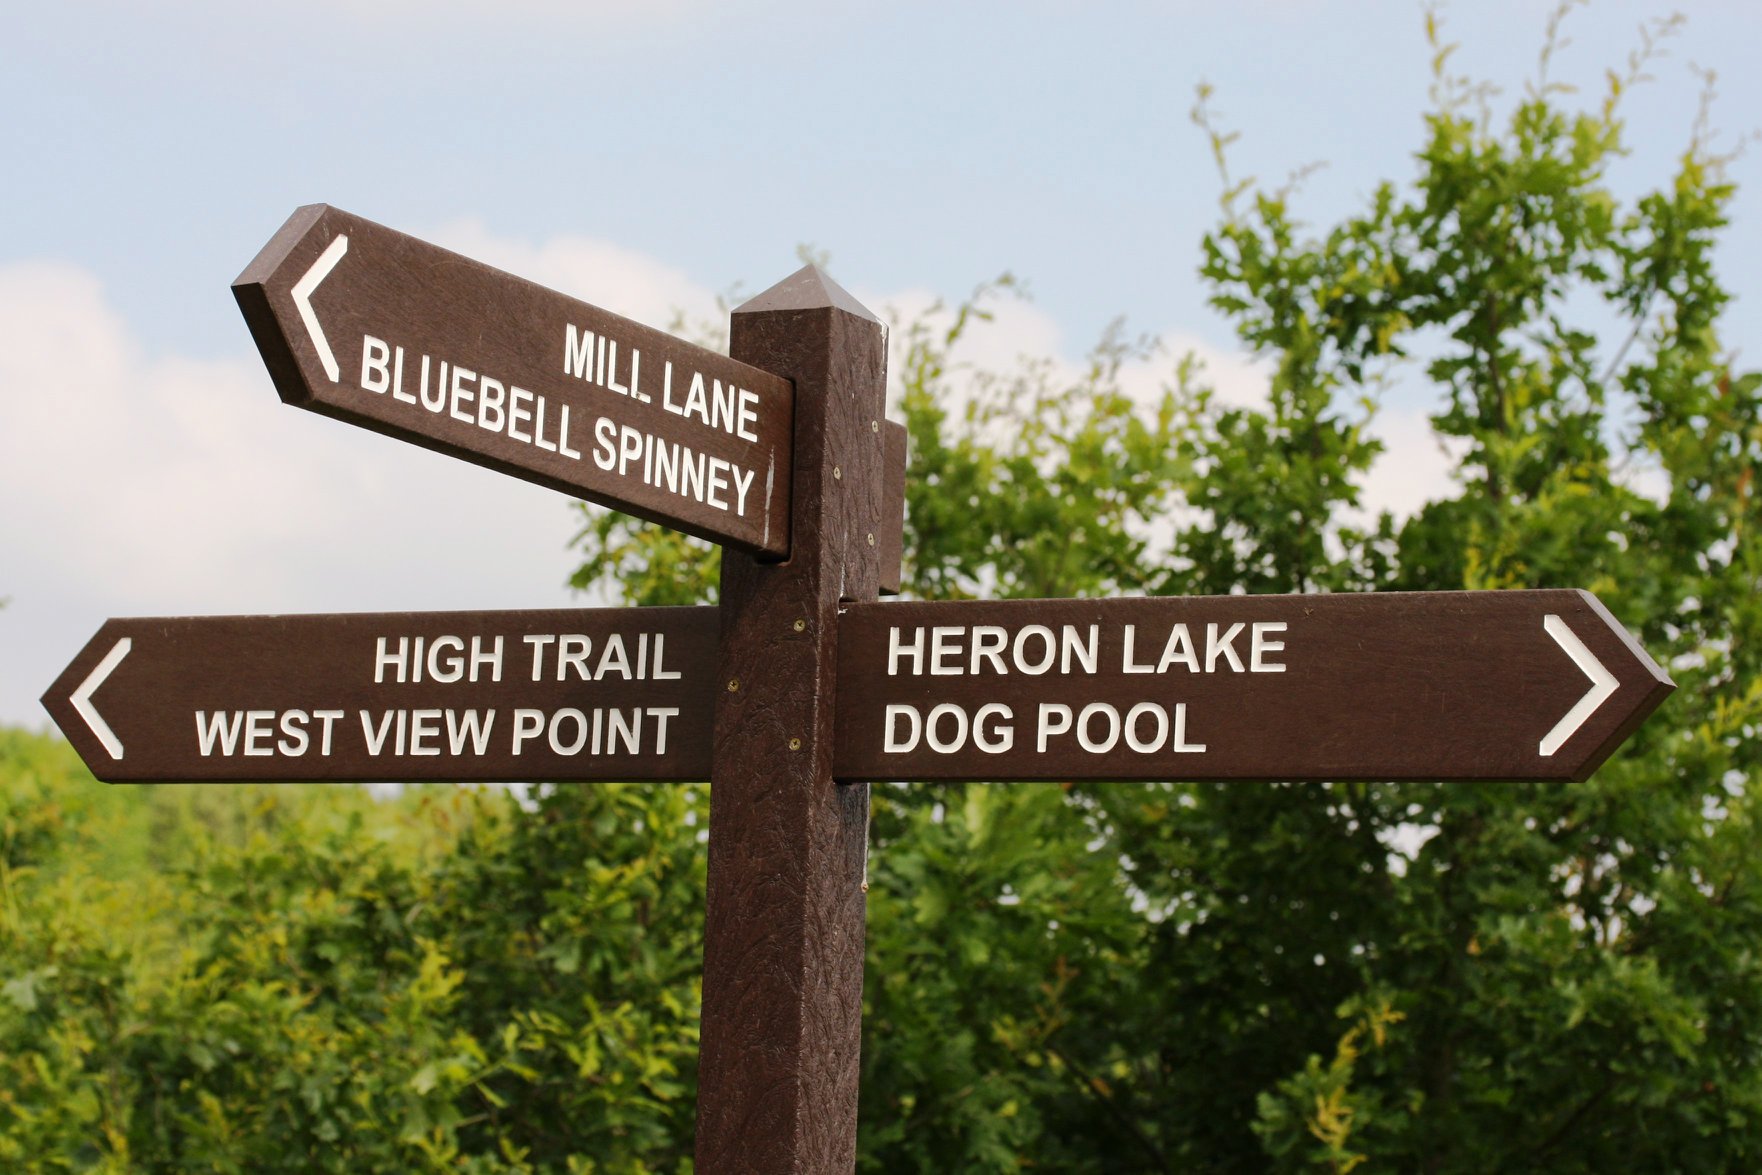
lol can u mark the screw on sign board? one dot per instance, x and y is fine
(360, 322)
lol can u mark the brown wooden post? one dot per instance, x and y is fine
(783, 941)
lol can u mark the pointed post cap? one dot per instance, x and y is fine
(808, 288)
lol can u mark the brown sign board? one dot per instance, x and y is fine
(1517, 685)
(565, 694)
(386, 331)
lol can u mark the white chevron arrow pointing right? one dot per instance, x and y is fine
(1603, 684)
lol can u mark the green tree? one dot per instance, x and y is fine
(1550, 949)
(301, 979)
(1407, 976)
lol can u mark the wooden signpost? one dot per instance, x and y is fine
(799, 686)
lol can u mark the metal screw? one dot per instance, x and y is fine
(874, 426)
(795, 744)
(733, 684)
(837, 474)
(871, 540)
(800, 626)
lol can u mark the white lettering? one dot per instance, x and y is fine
(580, 720)
(563, 438)
(993, 739)
(944, 746)
(329, 718)
(717, 483)
(538, 641)
(1155, 741)
(376, 373)
(1127, 665)
(1071, 645)
(1055, 718)
(661, 714)
(528, 724)
(577, 352)
(661, 674)
(1215, 647)
(424, 724)
(210, 731)
(1034, 668)
(440, 389)
(944, 646)
(895, 650)
(614, 657)
(605, 450)
(1259, 647)
(461, 377)
(630, 731)
(295, 740)
(893, 744)
(1180, 744)
(375, 736)
(572, 651)
(382, 660)
(479, 658)
(1178, 651)
(516, 414)
(748, 416)
(538, 429)
(442, 668)
(741, 485)
(259, 726)
(1098, 746)
(488, 404)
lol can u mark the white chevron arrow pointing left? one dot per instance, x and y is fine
(82, 697)
(302, 292)
(1603, 684)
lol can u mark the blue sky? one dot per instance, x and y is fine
(643, 156)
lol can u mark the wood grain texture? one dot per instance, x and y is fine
(783, 944)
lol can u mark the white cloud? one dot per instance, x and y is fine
(1018, 330)
(1237, 379)
(621, 280)
(174, 482)
(1414, 467)
(137, 485)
